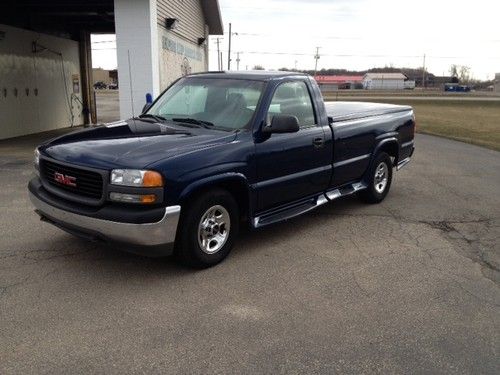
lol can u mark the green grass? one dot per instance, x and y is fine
(476, 122)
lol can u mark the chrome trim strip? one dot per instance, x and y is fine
(407, 144)
(291, 176)
(402, 163)
(352, 160)
(149, 234)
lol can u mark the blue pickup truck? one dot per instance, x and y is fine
(215, 151)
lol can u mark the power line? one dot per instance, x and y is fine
(363, 55)
(336, 37)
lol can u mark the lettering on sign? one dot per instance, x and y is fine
(180, 48)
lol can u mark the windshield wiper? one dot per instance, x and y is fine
(205, 124)
(157, 118)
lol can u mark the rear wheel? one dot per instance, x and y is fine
(207, 229)
(379, 180)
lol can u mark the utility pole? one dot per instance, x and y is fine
(295, 64)
(316, 57)
(221, 62)
(237, 61)
(229, 51)
(218, 55)
(423, 73)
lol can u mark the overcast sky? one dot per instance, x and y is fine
(355, 34)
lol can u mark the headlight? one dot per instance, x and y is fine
(37, 158)
(136, 178)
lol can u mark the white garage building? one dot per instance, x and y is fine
(384, 81)
(45, 55)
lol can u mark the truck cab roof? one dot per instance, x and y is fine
(261, 75)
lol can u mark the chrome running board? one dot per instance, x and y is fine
(345, 191)
(402, 163)
(289, 211)
(303, 206)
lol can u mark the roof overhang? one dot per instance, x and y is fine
(213, 18)
(65, 17)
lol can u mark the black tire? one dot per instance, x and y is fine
(374, 192)
(189, 250)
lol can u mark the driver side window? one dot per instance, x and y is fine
(292, 98)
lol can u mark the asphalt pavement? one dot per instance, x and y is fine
(407, 286)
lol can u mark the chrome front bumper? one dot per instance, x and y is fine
(148, 234)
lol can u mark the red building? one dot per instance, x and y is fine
(329, 83)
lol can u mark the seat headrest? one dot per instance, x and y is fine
(237, 99)
(285, 92)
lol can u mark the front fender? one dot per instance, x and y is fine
(216, 180)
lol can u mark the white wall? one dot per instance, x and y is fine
(137, 54)
(384, 84)
(178, 57)
(25, 71)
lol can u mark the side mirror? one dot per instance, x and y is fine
(146, 107)
(282, 124)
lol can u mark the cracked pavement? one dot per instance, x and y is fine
(407, 286)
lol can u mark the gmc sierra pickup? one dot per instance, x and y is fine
(213, 151)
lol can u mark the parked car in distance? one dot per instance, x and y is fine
(113, 86)
(100, 85)
(455, 87)
(213, 152)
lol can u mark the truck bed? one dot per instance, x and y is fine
(344, 111)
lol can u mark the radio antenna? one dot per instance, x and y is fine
(131, 87)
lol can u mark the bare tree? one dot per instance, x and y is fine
(461, 72)
(454, 70)
(464, 74)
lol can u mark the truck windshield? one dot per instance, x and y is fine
(228, 104)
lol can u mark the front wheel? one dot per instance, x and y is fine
(207, 229)
(379, 179)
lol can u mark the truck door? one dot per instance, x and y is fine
(296, 165)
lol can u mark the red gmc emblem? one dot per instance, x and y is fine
(64, 179)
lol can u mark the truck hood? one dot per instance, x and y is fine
(131, 144)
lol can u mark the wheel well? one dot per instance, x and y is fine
(392, 149)
(236, 187)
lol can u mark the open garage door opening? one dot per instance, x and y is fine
(45, 63)
(105, 83)
(40, 82)
(46, 67)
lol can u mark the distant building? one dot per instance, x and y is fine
(496, 84)
(384, 81)
(336, 82)
(102, 75)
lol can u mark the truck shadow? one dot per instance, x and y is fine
(262, 237)
(111, 259)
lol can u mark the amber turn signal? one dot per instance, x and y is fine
(132, 198)
(152, 179)
(150, 198)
